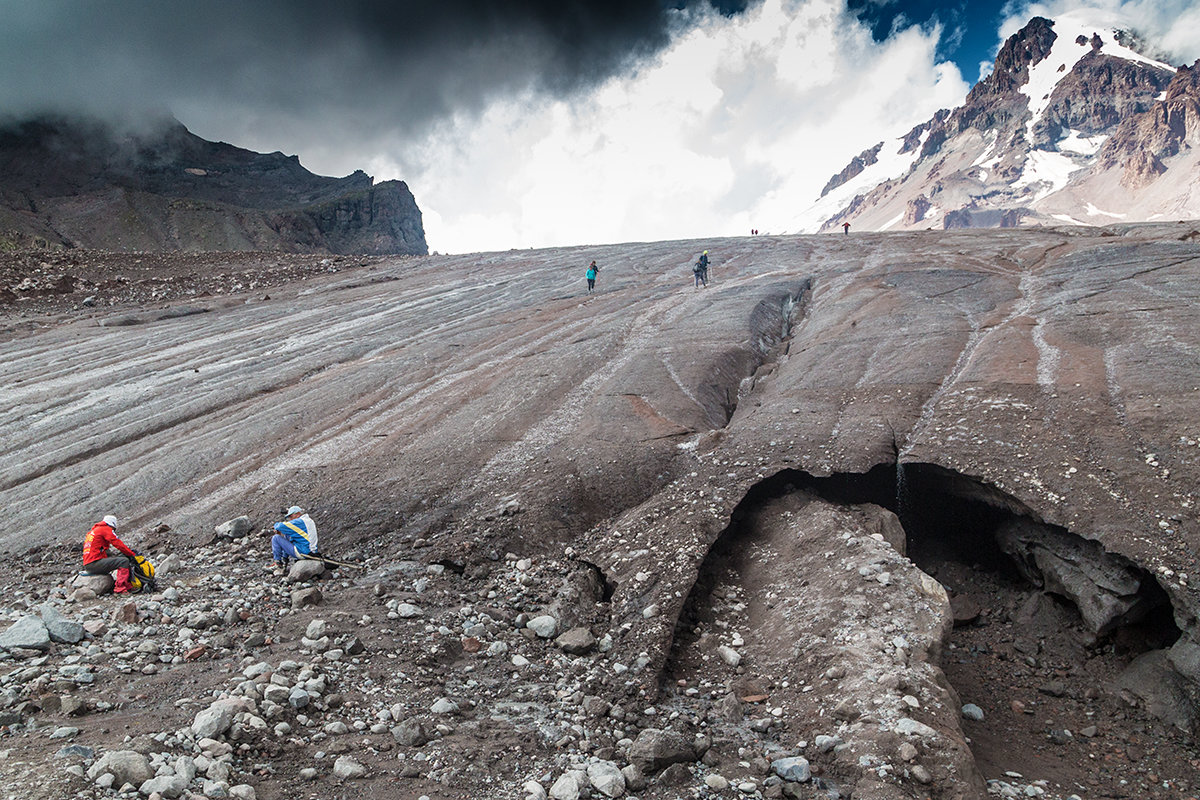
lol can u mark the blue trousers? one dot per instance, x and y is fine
(282, 547)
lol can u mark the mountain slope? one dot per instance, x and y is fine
(1073, 125)
(82, 183)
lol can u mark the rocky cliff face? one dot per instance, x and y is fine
(81, 183)
(1072, 125)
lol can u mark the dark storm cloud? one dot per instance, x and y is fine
(384, 63)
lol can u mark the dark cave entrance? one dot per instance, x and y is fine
(953, 521)
(1019, 633)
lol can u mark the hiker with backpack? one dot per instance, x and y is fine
(592, 272)
(700, 270)
(97, 561)
(295, 538)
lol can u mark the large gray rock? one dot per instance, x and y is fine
(1185, 657)
(126, 766)
(410, 733)
(305, 570)
(169, 786)
(577, 641)
(218, 717)
(348, 769)
(566, 787)
(545, 626)
(1104, 586)
(1162, 689)
(792, 768)
(302, 598)
(98, 584)
(606, 778)
(234, 528)
(28, 633)
(59, 627)
(655, 749)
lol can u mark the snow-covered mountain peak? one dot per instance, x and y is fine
(1077, 33)
(1076, 123)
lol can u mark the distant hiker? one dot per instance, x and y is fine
(97, 561)
(846, 228)
(296, 538)
(700, 270)
(592, 272)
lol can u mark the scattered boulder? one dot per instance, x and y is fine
(566, 787)
(302, 598)
(606, 778)
(27, 633)
(125, 766)
(545, 626)
(793, 768)
(305, 570)
(348, 769)
(218, 717)
(168, 786)
(656, 749)
(59, 627)
(577, 641)
(235, 528)
(410, 733)
(1151, 678)
(96, 584)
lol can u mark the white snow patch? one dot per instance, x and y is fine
(1065, 54)
(1093, 212)
(1048, 356)
(1076, 142)
(983, 175)
(891, 164)
(1050, 171)
(1068, 219)
(892, 221)
(988, 157)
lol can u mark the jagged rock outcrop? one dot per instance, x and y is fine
(84, 183)
(1171, 124)
(1099, 93)
(857, 164)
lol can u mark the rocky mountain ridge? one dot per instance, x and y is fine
(84, 183)
(1071, 126)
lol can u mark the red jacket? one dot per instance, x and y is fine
(97, 542)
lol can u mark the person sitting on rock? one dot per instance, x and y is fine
(97, 561)
(296, 537)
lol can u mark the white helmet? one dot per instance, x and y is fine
(295, 510)
(110, 521)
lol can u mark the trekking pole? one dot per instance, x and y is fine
(325, 560)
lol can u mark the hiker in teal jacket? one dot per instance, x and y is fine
(592, 271)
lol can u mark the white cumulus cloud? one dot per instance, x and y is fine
(737, 124)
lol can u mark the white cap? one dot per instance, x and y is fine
(295, 510)
(110, 521)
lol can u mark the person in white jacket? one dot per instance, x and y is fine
(295, 537)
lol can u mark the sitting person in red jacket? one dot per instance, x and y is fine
(97, 561)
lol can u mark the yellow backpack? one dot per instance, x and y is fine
(141, 577)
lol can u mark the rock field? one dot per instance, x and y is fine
(879, 516)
